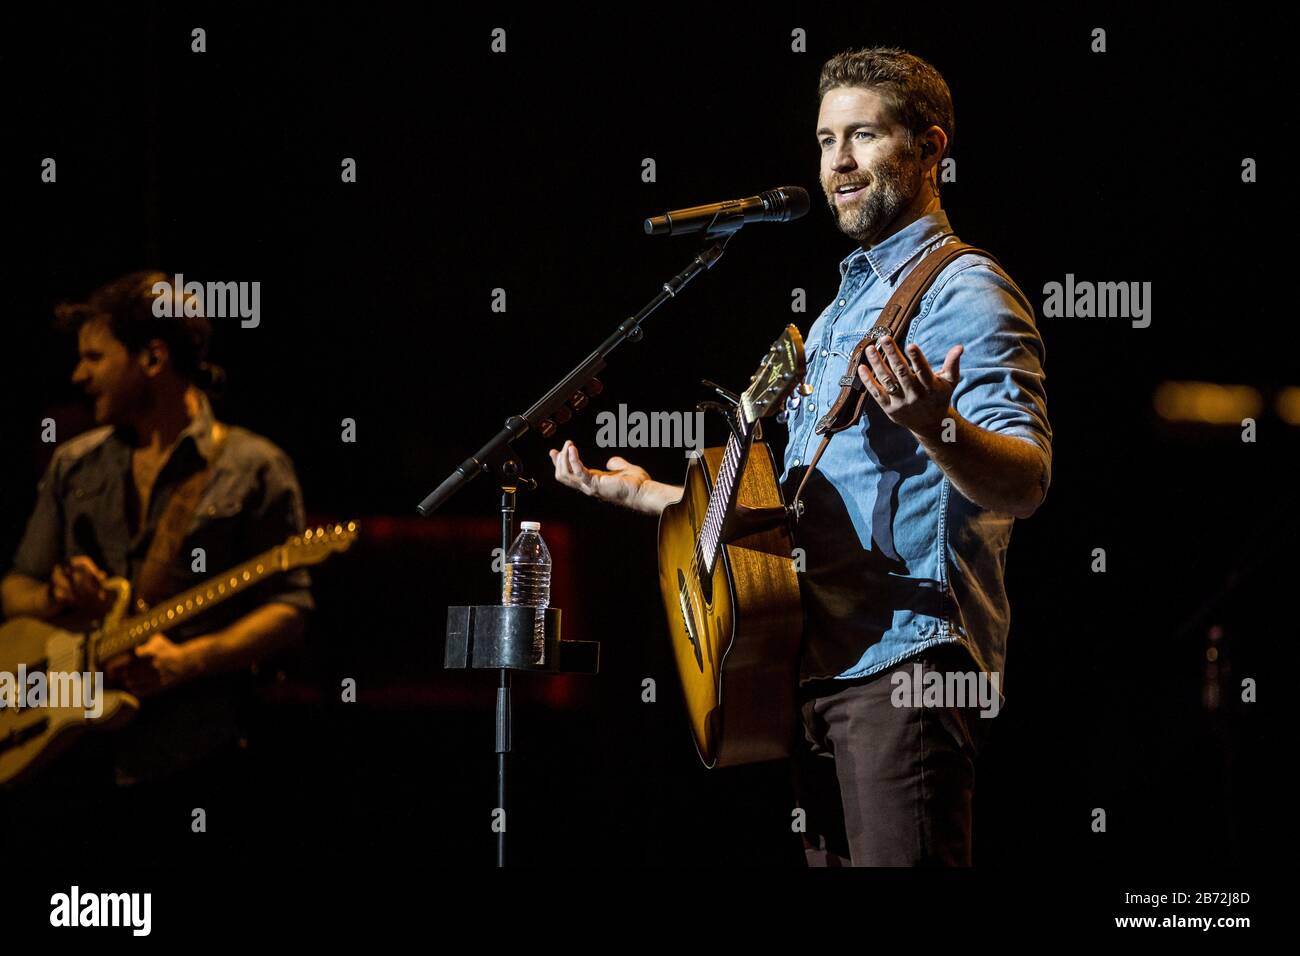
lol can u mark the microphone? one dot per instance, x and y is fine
(776, 205)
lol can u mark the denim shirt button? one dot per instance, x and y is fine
(795, 463)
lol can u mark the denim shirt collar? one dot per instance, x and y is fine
(201, 431)
(202, 428)
(887, 257)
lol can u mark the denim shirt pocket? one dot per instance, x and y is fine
(220, 511)
(85, 497)
(837, 363)
(85, 501)
(846, 340)
(84, 490)
(217, 506)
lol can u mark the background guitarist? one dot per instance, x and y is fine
(908, 515)
(98, 511)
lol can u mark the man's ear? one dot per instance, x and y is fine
(154, 357)
(933, 143)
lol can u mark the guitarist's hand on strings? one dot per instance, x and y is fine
(78, 586)
(622, 484)
(154, 666)
(910, 395)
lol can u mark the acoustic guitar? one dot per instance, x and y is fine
(726, 574)
(31, 737)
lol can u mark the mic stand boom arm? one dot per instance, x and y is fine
(573, 390)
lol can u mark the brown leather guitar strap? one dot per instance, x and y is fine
(153, 579)
(898, 312)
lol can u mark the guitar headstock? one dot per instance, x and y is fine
(316, 544)
(782, 369)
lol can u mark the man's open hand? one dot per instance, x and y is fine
(619, 485)
(910, 395)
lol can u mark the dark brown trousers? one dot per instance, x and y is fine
(883, 785)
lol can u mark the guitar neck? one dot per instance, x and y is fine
(722, 501)
(134, 631)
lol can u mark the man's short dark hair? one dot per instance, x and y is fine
(915, 91)
(127, 305)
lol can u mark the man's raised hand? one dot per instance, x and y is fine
(910, 395)
(619, 484)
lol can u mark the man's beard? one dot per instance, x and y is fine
(893, 186)
(124, 405)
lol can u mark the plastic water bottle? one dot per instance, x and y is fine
(528, 580)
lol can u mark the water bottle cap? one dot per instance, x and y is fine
(530, 525)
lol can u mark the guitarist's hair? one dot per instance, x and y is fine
(127, 305)
(915, 91)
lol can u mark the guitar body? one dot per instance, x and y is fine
(735, 632)
(32, 737)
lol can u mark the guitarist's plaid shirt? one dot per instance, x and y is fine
(897, 559)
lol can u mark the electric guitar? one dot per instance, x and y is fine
(726, 575)
(31, 737)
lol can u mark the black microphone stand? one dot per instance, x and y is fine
(505, 638)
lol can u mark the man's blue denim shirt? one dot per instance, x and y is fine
(897, 559)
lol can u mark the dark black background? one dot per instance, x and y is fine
(522, 171)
